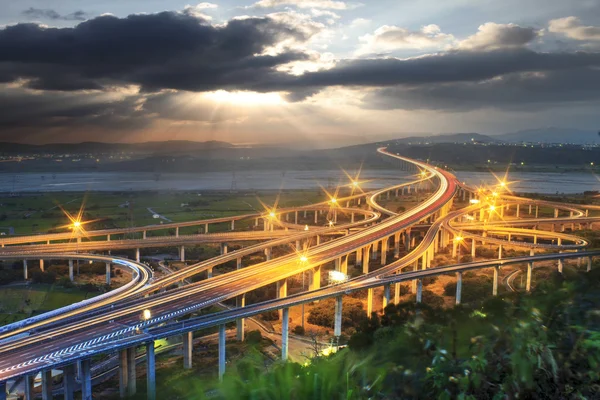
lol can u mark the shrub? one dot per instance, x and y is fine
(298, 330)
(253, 337)
(322, 314)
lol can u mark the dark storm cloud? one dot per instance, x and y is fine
(515, 92)
(165, 50)
(23, 109)
(46, 13)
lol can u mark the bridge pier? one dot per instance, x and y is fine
(374, 248)
(68, 381)
(285, 326)
(296, 217)
(473, 248)
(107, 273)
(458, 287)
(224, 248)
(419, 290)
(71, 277)
(560, 265)
(537, 210)
(150, 371)
(358, 261)
(397, 245)
(384, 249)
(137, 254)
(188, 346)
(131, 372)
(209, 273)
(238, 264)
(269, 253)
(365, 259)
(86, 379)
(123, 374)
(232, 224)
(25, 275)
(205, 228)
(29, 389)
(42, 265)
(182, 253)
(46, 385)
(176, 232)
(397, 293)
(369, 302)
(222, 342)
(314, 282)
(337, 320)
(240, 303)
(529, 271)
(282, 292)
(499, 252)
(386, 295)
(556, 213)
(589, 264)
(344, 264)
(144, 235)
(495, 282)
(518, 209)
(407, 240)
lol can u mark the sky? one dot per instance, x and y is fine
(294, 72)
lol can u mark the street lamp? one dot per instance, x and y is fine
(303, 259)
(146, 315)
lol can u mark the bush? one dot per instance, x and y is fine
(253, 337)
(430, 280)
(474, 288)
(270, 315)
(65, 282)
(298, 330)
(43, 277)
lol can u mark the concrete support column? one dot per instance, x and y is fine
(296, 218)
(298, 245)
(269, 253)
(29, 389)
(386, 296)
(137, 255)
(556, 213)
(188, 345)
(108, 238)
(458, 287)
(182, 253)
(495, 282)
(318, 240)
(369, 302)
(71, 277)
(530, 209)
(68, 381)
(397, 293)
(144, 234)
(419, 290)
(86, 379)
(473, 248)
(589, 264)
(150, 371)
(384, 249)
(316, 278)
(131, 372)
(537, 209)
(374, 248)
(337, 321)
(123, 374)
(42, 265)
(224, 248)
(221, 351)
(407, 240)
(232, 224)
(282, 292)
(240, 302)
(337, 263)
(518, 209)
(238, 263)
(344, 265)
(397, 245)
(560, 265)
(500, 252)
(209, 273)
(365, 259)
(316, 216)
(351, 218)
(285, 327)
(358, 261)
(206, 228)
(529, 270)
(25, 275)
(46, 385)
(107, 273)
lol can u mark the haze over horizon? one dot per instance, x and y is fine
(289, 71)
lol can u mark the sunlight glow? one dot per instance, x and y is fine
(244, 98)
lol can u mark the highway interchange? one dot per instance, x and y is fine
(115, 322)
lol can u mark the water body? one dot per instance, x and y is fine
(273, 180)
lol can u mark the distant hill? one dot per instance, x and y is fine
(170, 146)
(447, 138)
(552, 135)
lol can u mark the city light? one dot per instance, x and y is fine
(495, 194)
(337, 277)
(303, 259)
(474, 201)
(355, 183)
(492, 208)
(147, 315)
(330, 223)
(503, 184)
(333, 200)
(76, 224)
(305, 227)
(458, 239)
(272, 214)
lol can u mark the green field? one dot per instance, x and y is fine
(41, 212)
(19, 302)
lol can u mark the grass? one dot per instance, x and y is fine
(40, 212)
(19, 302)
